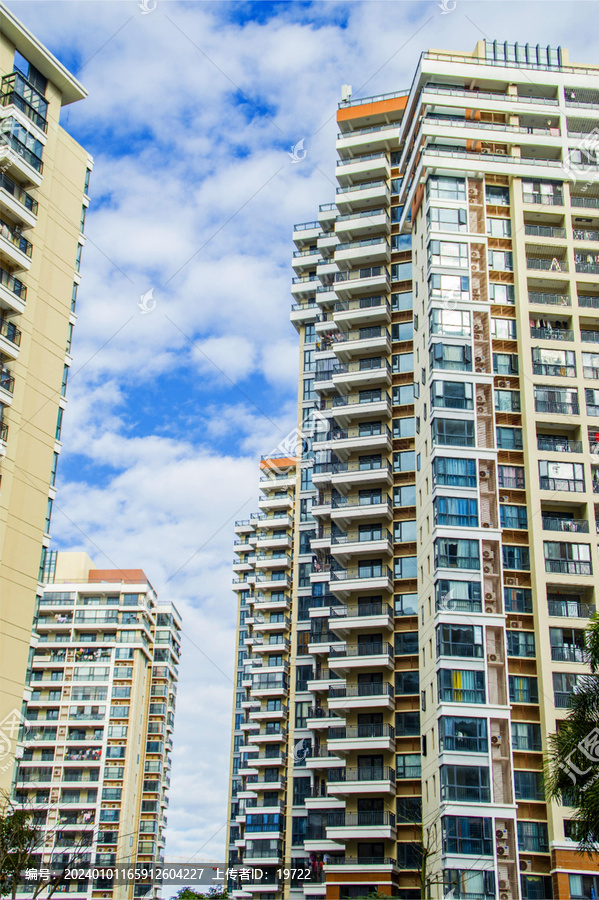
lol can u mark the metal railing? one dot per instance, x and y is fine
(362, 186)
(16, 191)
(361, 773)
(545, 231)
(549, 299)
(586, 268)
(568, 566)
(568, 653)
(361, 819)
(361, 731)
(589, 336)
(552, 334)
(17, 90)
(551, 523)
(568, 609)
(382, 689)
(22, 150)
(358, 650)
(565, 408)
(12, 284)
(559, 445)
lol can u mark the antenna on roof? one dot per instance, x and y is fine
(346, 92)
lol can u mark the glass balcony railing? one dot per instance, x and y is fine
(16, 191)
(16, 90)
(23, 151)
(13, 284)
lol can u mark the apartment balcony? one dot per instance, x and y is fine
(360, 224)
(241, 566)
(356, 438)
(362, 864)
(552, 266)
(17, 91)
(267, 737)
(357, 281)
(244, 526)
(568, 567)
(13, 293)
(541, 298)
(353, 169)
(360, 697)
(456, 793)
(571, 609)
(371, 139)
(267, 857)
(10, 339)
(551, 334)
(351, 406)
(303, 312)
(268, 715)
(356, 543)
(359, 474)
(268, 605)
(367, 251)
(276, 503)
(589, 337)
(352, 657)
(319, 718)
(326, 243)
(264, 522)
(352, 781)
(20, 160)
(362, 310)
(260, 760)
(554, 444)
(17, 202)
(356, 374)
(346, 739)
(305, 260)
(15, 250)
(304, 286)
(367, 616)
(557, 407)
(346, 509)
(370, 339)
(242, 583)
(274, 561)
(563, 524)
(570, 653)
(263, 625)
(373, 826)
(269, 542)
(375, 578)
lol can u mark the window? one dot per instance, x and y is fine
(505, 364)
(53, 470)
(406, 643)
(590, 365)
(404, 496)
(405, 567)
(407, 765)
(497, 196)
(592, 401)
(521, 643)
(406, 604)
(440, 219)
(467, 835)
(509, 438)
(503, 329)
(453, 472)
(401, 271)
(459, 734)
(512, 516)
(453, 432)
(461, 883)
(461, 686)
(507, 401)
(465, 784)
(33, 75)
(501, 293)
(401, 362)
(407, 682)
(407, 724)
(78, 257)
(549, 192)
(456, 357)
(462, 596)
(448, 253)
(449, 287)
(444, 187)
(558, 476)
(403, 331)
(516, 558)
(560, 363)
(563, 401)
(533, 837)
(404, 531)
(450, 322)
(529, 785)
(404, 461)
(526, 736)
(501, 260)
(451, 553)
(567, 558)
(452, 395)
(403, 394)
(500, 228)
(511, 477)
(48, 515)
(523, 689)
(584, 886)
(460, 640)
(404, 428)
(568, 645)
(401, 301)
(456, 512)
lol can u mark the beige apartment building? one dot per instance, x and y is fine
(44, 177)
(95, 749)
(393, 705)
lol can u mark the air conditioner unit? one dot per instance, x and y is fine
(502, 834)
(502, 383)
(514, 623)
(488, 554)
(489, 596)
(478, 368)
(523, 865)
(487, 569)
(484, 473)
(503, 885)
(478, 358)
(492, 657)
(486, 524)
(481, 409)
(489, 609)
(502, 851)
(504, 897)
(510, 581)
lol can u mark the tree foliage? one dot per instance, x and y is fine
(572, 765)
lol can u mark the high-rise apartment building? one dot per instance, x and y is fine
(443, 514)
(44, 176)
(95, 748)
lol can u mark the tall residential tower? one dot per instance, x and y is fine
(96, 745)
(44, 175)
(448, 307)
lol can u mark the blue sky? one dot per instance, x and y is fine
(192, 110)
